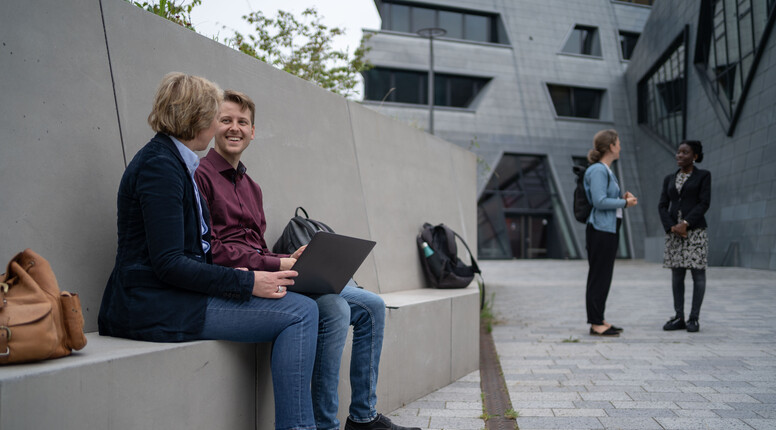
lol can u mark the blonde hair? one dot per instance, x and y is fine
(243, 101)
(601, 142)
(184, 105)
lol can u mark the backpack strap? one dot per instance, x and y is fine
(475, 267)
(296, 212)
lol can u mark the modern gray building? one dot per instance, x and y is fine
(526, 84)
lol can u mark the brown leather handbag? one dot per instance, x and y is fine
(37, 321)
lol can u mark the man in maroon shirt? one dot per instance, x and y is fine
(238, 223)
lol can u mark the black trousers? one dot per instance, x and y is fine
(601, 252)
(698, 290)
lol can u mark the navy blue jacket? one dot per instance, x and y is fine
(161, 281)
(693, 200)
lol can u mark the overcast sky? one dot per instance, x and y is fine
(353, 15)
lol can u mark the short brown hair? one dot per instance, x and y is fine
(243, 101)
(184, 105)
(601, 142)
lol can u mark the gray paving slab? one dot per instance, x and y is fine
(560, 377)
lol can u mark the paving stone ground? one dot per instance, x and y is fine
(560, 377)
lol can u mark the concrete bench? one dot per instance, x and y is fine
(123, 384)
(362, 173)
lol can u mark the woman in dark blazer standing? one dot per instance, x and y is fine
(603, 225)
(164, 287)
(685, 198)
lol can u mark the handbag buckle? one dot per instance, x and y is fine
(7, 348)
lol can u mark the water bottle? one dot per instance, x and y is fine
(434, 261)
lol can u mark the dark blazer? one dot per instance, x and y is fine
(161, 281)
(693, 200)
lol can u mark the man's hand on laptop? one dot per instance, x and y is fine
(286, 263)
(298, 252)
(272, 285)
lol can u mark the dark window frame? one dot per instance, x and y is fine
(572, 101)
(527, 191)
(620, 34)
(496, 33)
(635, 3)
(591, 29)
(442, 81)
(665, 127)
(718, 80)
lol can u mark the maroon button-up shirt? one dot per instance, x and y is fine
(236, 215)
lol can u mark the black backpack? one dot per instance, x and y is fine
(443, 268)
(299, 231)
(582, 206)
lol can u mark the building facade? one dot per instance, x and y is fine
(526, 84)
(706, 70)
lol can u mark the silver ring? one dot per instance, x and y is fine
(281, 288)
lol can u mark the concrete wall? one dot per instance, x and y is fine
(514, 112)
(77, 88)
(743, 166)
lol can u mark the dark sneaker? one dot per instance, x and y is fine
(693, 325)
(380, 423)
(675, 323)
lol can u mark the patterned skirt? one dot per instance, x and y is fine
(687, 252)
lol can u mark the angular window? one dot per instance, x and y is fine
(731, 38)
(576, 102)
(409, 86)
(641, 2)
(459, 24)
(662, 93)
(519, 214)
(627, 43)
(583, 40)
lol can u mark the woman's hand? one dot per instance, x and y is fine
(272, 285)
(680, 229)
(630, 199)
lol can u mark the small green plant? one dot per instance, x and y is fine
(511, 414)
(486, 314)
(485, 416)
(571, 339)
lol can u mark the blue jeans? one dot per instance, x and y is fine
(290, 323)
(365, 311)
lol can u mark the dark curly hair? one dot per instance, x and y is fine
(697, 148)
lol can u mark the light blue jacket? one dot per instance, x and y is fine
(603, 191)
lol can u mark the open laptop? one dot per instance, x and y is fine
(328, 262)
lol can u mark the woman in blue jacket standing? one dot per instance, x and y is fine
(164, 287)
(683, 204)
(603, 225)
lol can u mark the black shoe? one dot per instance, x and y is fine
(381, 422)
(675, 323)
(610, 332)
(617, 329)
(693, 325)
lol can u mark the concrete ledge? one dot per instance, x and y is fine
(124, 384)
